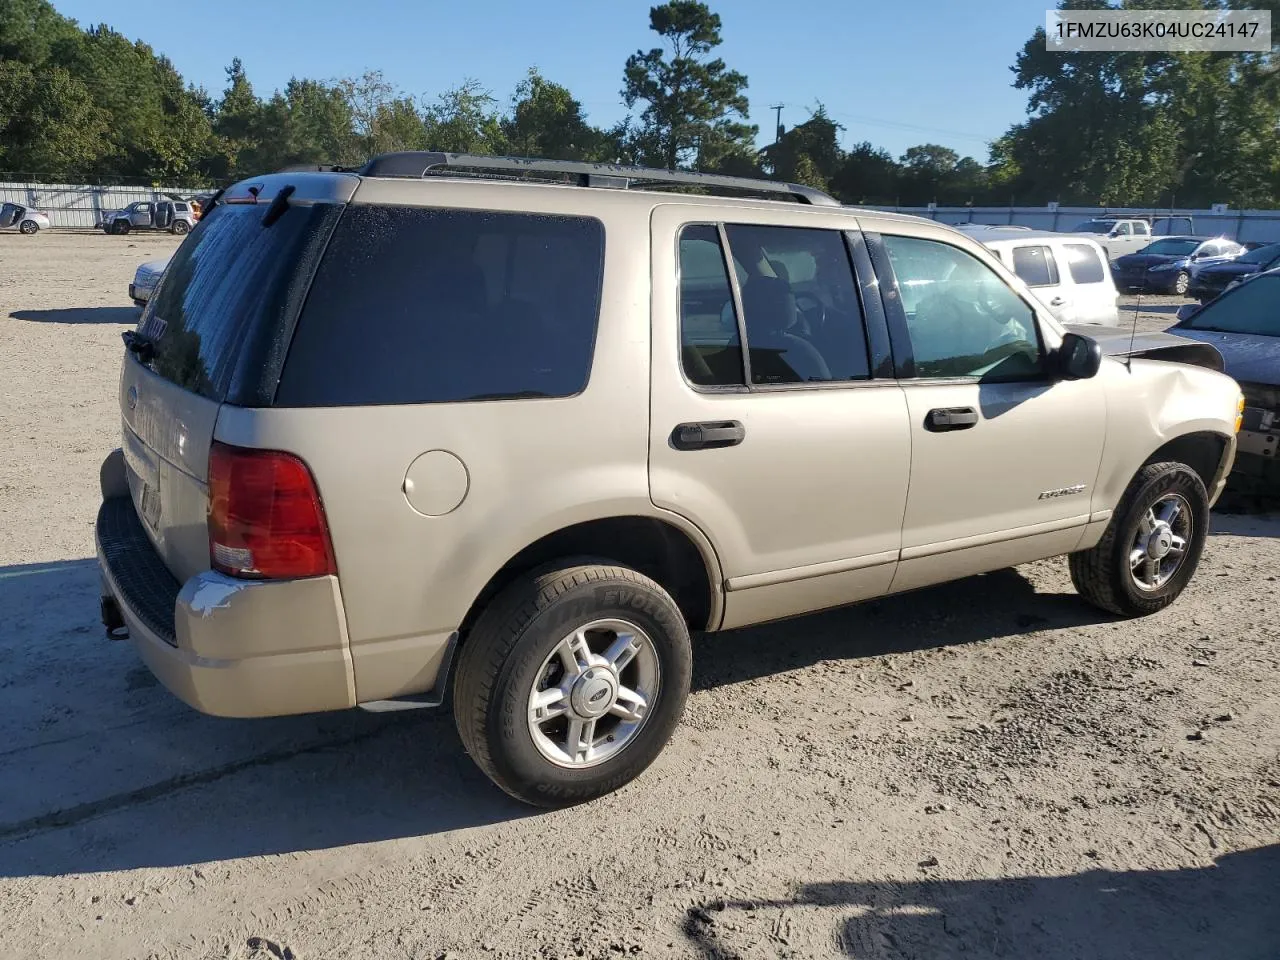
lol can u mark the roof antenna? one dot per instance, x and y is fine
(1133, 329)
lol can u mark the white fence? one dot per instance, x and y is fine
(1242, 225)
(72, 205)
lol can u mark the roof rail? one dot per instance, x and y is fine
(415, 164)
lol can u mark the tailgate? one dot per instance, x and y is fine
(215, 331)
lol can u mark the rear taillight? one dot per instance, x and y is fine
(266, 520)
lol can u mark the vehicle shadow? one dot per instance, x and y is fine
(1167, 309)
(79, 315)
(102, 769)
(1230, 909)
(998, 604)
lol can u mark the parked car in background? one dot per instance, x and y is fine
(173, 216)
(1120, 236)
(24, 219)
(1068, 274)
(145, 279)
(1209, 280)
(1164, 266)
(1243, 324)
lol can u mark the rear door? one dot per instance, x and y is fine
(792, 454)
(1093, 291)
(216, 324)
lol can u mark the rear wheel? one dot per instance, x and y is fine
(1152, 546)
(181, 227)
(1181, 282)
(572, 682)
(28, 227)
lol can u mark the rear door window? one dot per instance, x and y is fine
(223, 308)
(1084, 263)
(422, 305)
(1035, 265)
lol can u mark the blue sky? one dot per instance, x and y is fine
(895, 73)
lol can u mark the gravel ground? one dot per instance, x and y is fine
(987, 769)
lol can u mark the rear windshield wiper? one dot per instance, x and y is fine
(144, 348)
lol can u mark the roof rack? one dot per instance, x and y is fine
(414, 164)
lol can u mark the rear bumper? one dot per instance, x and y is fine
(227, 647)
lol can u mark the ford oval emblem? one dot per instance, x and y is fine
(133, 397)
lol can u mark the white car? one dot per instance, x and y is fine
(145, 279)
(1067, 273)
(24, 219)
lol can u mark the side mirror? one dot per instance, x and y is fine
(1079, 357)
(1187, 311)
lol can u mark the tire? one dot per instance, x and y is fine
(512, 653)
(29, 227)
(181, 227)
(1104, 575)
(1181, 282)
(121, 227)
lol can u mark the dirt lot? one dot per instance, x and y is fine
(986, 769)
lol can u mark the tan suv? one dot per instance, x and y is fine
(432, 428)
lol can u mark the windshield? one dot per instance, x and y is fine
(1172, 247)
(1249, 308)
(1261, 254)
(1094, 226)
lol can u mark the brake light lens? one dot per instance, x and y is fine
(266, 521)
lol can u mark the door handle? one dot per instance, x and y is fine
(1057, 302)
(708, 435)
(942, 419)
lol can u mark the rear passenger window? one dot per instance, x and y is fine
(1035, 266)
(1084, 262)
(800, 307)
(419, 305)
(710, 347)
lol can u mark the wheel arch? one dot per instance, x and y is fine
(681, 561)
(1204, 451)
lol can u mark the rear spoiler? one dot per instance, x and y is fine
(1170, 347)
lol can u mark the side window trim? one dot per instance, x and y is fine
(875, 322)
(735, 292)
(896, 315)
(904, 364)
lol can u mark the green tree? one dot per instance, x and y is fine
(462, 120)
(695, 106)
(809, 152)
(546, 121)
(32, 31)
(237, 124)
(867, 174)
(49, 125)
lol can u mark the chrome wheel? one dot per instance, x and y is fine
(593, 693)
(1181, 283)
(1160, 545)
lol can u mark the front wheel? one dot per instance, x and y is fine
(1152, 545)
(572, 682)
(28, 227)
(122, 227)
(1181, 282)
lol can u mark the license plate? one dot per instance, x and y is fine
(149, 505)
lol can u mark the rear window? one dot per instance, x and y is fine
(1084, 263)
(420, 305)
(223, 309)
(1035, 266)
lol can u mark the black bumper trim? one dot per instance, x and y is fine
(146, 587)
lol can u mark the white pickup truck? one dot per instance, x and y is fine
(1123, 235)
